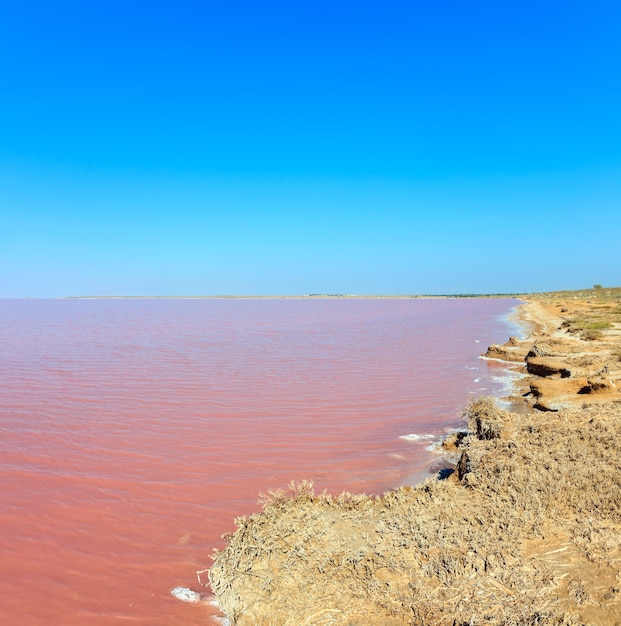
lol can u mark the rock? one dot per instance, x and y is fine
(506, 352)
(598, 385)
(554, 394)
(549, 405)
(541, 366)
(463, 466)
(537, 351)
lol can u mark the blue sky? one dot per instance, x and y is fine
(203, 148)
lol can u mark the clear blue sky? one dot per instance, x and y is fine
(190, 148)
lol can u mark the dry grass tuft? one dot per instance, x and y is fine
(579, 592)
(484, 418)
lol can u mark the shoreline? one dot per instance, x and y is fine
(526, 530)
(314, 296)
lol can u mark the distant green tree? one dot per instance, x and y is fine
(597, 286)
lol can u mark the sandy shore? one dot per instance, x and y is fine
(527, 529)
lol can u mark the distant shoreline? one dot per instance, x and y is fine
(289, 297)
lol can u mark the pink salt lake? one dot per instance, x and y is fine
(133, 432)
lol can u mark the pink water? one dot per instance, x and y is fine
(133, 432)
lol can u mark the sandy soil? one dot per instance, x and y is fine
(526, 530)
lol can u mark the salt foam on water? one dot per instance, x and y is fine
(415, 437)
(186, 595)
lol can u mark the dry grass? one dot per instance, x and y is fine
(444, 553)
(597, 297)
